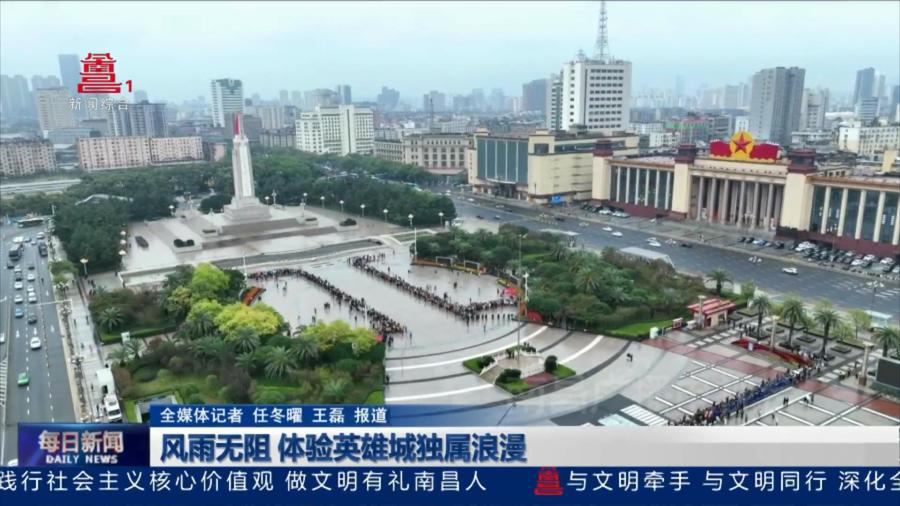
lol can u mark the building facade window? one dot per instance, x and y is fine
(817, 210)
(889, 217)
(870, 212)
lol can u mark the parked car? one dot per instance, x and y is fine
(790, 270)
(687, 245)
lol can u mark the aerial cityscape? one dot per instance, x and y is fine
(601, 229)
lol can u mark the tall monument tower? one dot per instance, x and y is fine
(244, 206)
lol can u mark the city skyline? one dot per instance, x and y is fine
(533, 40)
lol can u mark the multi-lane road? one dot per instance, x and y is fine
(47, 397)
(844, 290)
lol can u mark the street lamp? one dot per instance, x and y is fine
(171, 209)
(275, 196)
(342, 206)
(304, 197)
(441, 214)
(267, 200)
(410, 220)
(362, 210)
(415, 237)
(84, 262)
(322, 200)
(385, 212)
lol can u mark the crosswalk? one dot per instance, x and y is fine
(725, 334)
(640, 413)
(3, 376)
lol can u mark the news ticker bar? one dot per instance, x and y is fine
(140, 445)
(436, 486)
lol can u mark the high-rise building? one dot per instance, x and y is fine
(140, 96)
(595, 94)
(297, 99)
(679, 85)
(813, 108)
(320, 97)
(55, 109)
(21, 157)
(70, 72)
(477, 98)
(731, 96)
(339, 130)
(344, 93)
(15, 99)
(894, 110)
(41, 82)
(143, 120)
(775, 106)
(434, 101)
(227, 98)
(867, 109)
(388, 99)
(498, 100)
(284, 98)
(554, 102)
(272, 116)
(534, 95)
(865, 85)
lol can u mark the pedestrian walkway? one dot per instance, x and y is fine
(643, 415)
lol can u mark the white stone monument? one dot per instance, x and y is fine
(244, 207)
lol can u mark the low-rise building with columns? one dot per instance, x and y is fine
(755, 189)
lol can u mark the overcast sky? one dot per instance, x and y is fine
(173, 49)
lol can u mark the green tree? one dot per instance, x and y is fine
(763, 306)
(210, 349)
(748, 289)
(887, 337)
(110, 318)
(178, 303)
(587, 280)
(243, 339)
(843, 331)
(327, 335)
(335, 389)
(246, 361)
(119, 356)
(61, 267)
(134, 347)
(307, 349)
(720, 276)
(260, 317)
(861, 320)
(559, 251)
(794, 312)
(201, 320)
(279, 362)
(208, 282)
(825, 316)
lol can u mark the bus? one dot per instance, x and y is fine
(15, 251)
(31, 222)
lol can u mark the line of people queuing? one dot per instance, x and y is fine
(468, 312)
(734, 406)
(380, 322)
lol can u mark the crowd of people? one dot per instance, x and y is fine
(471, 312)
(734, 406)
(380, 322)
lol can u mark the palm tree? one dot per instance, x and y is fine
(763, 306)
(110, 318)
(335, 389)
(559, 251)
(793, 311)
(280, 361)
(860, 319)
(244, 338)
(825, 315)
(199, 324)
(210, 348)
(307, 349)
(246, 361)
(887, 338)
(720, 276)
(587, 280)
(119, 355)
(134, 347)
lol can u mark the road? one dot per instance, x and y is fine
(41, 186)
(844, 290)
(48, 397)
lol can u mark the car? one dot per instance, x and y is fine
(617, 234)
(19, 276)
(604, 211)
(470, 200)
(779, 245)
(32, 298)
(480, 217)
(583, 224)
(497, 217)
(742, 239)
(35, 343)
(22, 380)
(30, 276)
(655, 244)
(19, 312)
(652, 239)
(18, 285)
(30, 288)
(30, 267)
(559, 219)
(607, 229)
(687, 245)
(18, 299)
(10, 265)
(2, 337)
(40, 235)
(790, 270)
(32, 318)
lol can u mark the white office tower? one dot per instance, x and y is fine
(340, 130)
(227, 98)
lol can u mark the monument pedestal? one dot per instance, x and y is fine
(243, 210)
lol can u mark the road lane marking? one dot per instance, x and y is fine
(583, 350)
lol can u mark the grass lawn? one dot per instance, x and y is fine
(641, 329)
(130, 413)
(473, 364)
(375, 397)
(515, 387)
(173, 383)
(563, 372)
(116, 337)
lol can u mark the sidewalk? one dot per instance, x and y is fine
(83, 347)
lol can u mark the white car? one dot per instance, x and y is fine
(30, 276)
(655, 244)
(30, 288)
(604, 211)
(470, 200)
(617, 234)
(583, 224)
(607, 229)
(2, 337)
(790, 270)
(652, 239)
(18, 299)
(18, 285)
(35, 343)
(32, 298)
